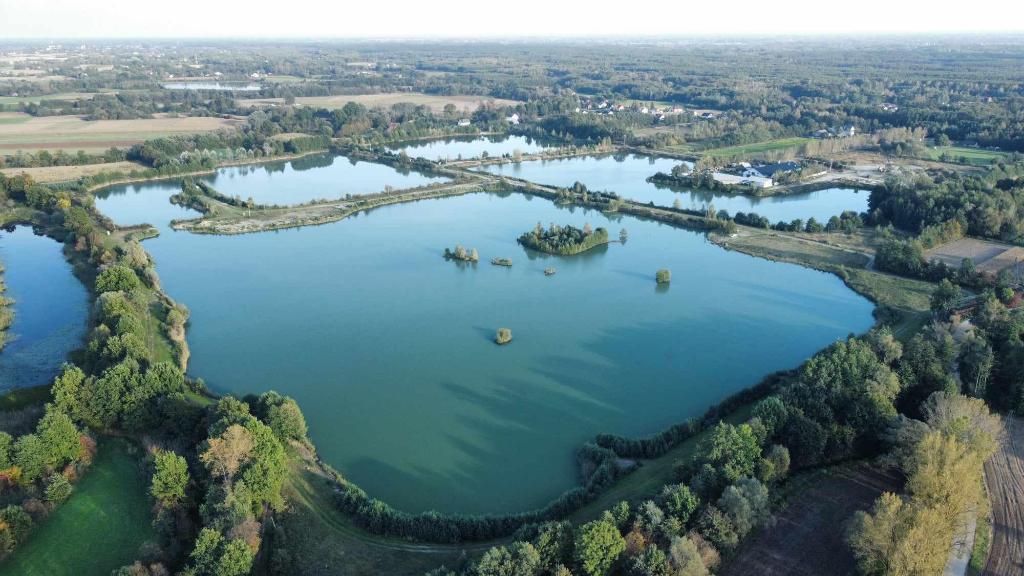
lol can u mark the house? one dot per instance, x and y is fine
(513, 119)
(823, 133)
(770, 170)
(848, 131)
(755, 181)
(887, 107)
(464, 122)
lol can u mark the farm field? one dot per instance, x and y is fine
(98, 529)
(988, 256)
(1004, 474)
(59, 96)
(48, 174)
(72, 133)
(808, 537)
(386, 100)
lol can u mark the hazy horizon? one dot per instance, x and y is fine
(525, 20)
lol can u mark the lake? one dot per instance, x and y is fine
(50, 308)
(215, 86)
(388, 348)
(627, 176)
(470, 147)
(313, 177)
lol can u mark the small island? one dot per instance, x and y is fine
(501, 261)
(663, 276)
(461, 254)
(564, 240)
(549, 271)
(503, 336)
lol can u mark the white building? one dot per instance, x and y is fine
(754, 181)
(513, 119)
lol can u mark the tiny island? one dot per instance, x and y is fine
(501, 261)
(461, 254)
(503, 336)
(563, 240)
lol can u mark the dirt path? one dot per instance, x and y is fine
(808, 536)
(1005, 477)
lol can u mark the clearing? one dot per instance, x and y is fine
(386, 100)
(1004, 475)
(96, 531)
(72, 133)
(49, 174)
(964, 155)
(808, 537)
(989, 257)
(756, 148)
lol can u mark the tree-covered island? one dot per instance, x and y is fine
(563, 240)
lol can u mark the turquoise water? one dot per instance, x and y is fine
(466, 148)
(388, 348)
(627, 175)
(50, 308)
(314, 177)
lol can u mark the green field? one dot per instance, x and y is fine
(756, 148)
(962, 155)
(99, 529)
(44, 97)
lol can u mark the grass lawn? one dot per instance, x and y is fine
(756, 148)
(98, 530)
(962, 155)
(645, 482)
(323, 540)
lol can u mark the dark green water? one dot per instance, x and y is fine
(388, 348)
(50, 308)
(627, 176)
(465, 148)
(314, 177)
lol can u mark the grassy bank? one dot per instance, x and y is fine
(98, 529)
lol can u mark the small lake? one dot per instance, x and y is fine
(216, 86)
(50, 308)
(466, 148)
(313, 177)
(627, 176)
(388, 348)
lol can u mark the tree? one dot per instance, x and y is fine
(170, 477)
(226, 453)
(945, 296)
(18, 522)
(517, 559)
(679, 501)
(283, 416)
(117, 278)
(684, 558)
(59, 436)
(58, 489)
(6, 444)
(663, 276)
(598, 545)
(30, 455)
(650, 562)
(732, 449)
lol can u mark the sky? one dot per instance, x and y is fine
(317, 19)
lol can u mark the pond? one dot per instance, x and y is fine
(215, 86)
(314, 177)
(627, 176)
(50, 308)
(466, 148)
(388, 348)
